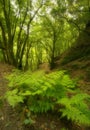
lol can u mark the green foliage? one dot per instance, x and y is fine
(76, 109)
(14, 97)
(55, 27)
(28, 119)
(40, 93)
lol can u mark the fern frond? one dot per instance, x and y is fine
(76, 109)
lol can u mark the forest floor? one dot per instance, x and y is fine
(10, 118)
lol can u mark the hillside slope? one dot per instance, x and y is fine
(81, 48)
(77, 60)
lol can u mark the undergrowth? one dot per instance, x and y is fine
(39, 93)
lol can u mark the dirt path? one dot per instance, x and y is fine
(9, 118)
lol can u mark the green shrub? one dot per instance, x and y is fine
(40, 93)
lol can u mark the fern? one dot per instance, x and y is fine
(76, 109)
(41, 93)
(13, 97)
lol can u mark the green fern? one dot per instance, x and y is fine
(13, 97)
(41, 93)
(76, 109)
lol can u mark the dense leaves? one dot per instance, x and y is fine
(33, 32)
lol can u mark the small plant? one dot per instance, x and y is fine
(28, 119)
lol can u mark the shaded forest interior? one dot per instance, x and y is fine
(45, 65)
